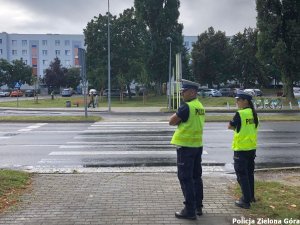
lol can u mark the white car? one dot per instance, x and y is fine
(254, 92)
(4, 93)
(210, 93)
(296, 91)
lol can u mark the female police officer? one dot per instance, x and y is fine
(188, 139)
(244, 124)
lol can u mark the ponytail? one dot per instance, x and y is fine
(254, 113)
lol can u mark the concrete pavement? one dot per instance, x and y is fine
(118, 198)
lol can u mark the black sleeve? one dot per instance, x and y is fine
(236, 122)
(183, 112)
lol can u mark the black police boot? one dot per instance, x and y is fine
(199, 211)
(184, 214)
(240, 203)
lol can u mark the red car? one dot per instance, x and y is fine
(16, 93)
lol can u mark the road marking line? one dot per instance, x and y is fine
(78, 153)
(24, 130)
(29, 128)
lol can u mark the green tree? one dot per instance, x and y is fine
(20, 72)
(96, 55)
(278, 22)
(55, 75)
(246, 68)
(17, 71)
(127, 48)
(186, 66)
(72, 77)
(211, 57)
(161, 20)
(5, 71)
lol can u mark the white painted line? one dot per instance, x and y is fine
(24, 130)
(278, 143)
(5, 137)
(80, 153)
(132, 122)
(114, 146)
(29, 128)
(122, 142)
(127, 137)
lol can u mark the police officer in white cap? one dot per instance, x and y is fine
(245, 126)
(189, 119)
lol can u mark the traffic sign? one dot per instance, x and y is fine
(18, 85)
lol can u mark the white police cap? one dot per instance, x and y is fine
(243, 95)
(187, 84)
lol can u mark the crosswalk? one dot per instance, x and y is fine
(118, 146)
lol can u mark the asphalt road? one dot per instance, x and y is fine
(135, 142)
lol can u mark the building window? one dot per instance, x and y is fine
(14, 52)
(44, 52)
(0, 51)
(57, 52)
(68, 63)
(0, 41)
(67, 42)
(57, 42)
(44, 42)
(186, 43)
(67, 52)
(14, 42)
(24, 42)
(24, 52)
(45, 62)
(25, 62)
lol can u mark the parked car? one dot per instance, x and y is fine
(30, 93)
(254, 92)
(16, 93)
(210, 93)
(66, 93)
(235, 90)
(227, 92)
(296, 91)
(4, 93)
(113, 93)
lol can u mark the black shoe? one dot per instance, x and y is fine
(199, 211)
(184, 215)
(242, 204)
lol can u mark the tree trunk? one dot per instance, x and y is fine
(288, 87)
(158, 87)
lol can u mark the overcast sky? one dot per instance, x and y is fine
(72, 16)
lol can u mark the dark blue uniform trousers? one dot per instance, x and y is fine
(190, 176)
(244, 168)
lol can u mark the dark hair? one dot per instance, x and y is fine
(254, 113)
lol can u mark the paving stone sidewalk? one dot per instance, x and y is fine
(118, 198)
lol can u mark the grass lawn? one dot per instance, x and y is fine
(274, 201)
(136, 101)
(12, 184)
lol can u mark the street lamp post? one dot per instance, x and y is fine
(169, 39)
(108, 58)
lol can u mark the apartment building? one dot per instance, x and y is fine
(188, 42)
(38, 50)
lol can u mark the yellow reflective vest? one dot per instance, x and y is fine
(189, 133)
(246, 138)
